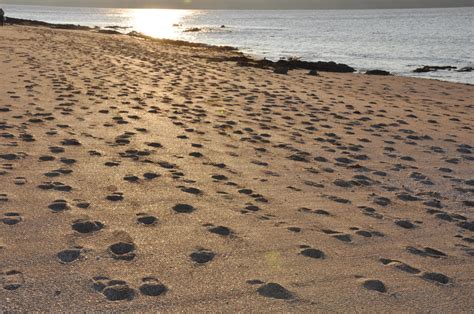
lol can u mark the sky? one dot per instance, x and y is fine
(251, 4)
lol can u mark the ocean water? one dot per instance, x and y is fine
(394, 40)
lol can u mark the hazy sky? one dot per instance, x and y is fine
(252, 4)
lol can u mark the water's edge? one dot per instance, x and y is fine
(240, 57)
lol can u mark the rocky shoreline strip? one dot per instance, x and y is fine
(281, 66)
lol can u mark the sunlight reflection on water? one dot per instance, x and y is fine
(160, 23)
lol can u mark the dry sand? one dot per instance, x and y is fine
(136, 170)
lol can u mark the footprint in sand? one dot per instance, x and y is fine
(152, 287)
(425, 252)
(59, 206)
(11, 218)
(122, 251)
(275, 291)
(20, 181)
(113, 289)
(3, 197)
(406, 224)
(400, 265)
(183, 208)
(115, 197)
(12, 279)
(146, 220)
(220, 230)
(436, 277)
(338, 235)
(374, 285)
(312, 253)
(202, 256)
(86, 225)
(69, 255)
(57, 186)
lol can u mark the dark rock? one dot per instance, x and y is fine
(16, 21)
(192, 30)
(377, 72)
(109, 32)
(318, 66)
(428, 68)
(291, 64)
(466, 69)
(281, 70)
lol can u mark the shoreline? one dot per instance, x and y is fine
(242, 58)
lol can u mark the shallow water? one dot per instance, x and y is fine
(394, 40)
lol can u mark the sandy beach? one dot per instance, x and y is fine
(140, 175)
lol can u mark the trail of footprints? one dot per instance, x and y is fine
(357, 156)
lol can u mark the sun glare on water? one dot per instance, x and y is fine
(159, 23)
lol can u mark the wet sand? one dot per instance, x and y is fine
(144, 176)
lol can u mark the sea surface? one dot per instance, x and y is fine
(394, 40)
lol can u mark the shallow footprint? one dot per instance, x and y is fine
(115, 197)
(12, 279)
(400, 265)
(113, 290)
(343, 237)
(202, 256)
(86, 226)
(147, 220)
(220, 230)
(20, 181)
(313, 253)
(152, 287)
(436, 277)
(275, 291)
(122, 250)
(59, 206)
(69, 256)
(12, 218)
(375, 285)
(183, 208)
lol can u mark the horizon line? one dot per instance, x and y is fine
(243, 9)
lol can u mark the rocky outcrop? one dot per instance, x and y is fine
(318, 66)
(192, 30)
(466, 69)
(110, 32)
(377, 72)
(290, 64)
(16, 21)
(432, 68)
(281, 70)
